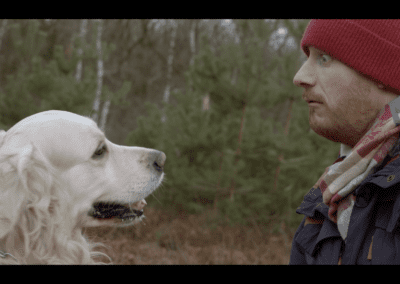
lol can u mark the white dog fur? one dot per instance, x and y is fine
(54, 166)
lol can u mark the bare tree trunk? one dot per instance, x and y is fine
(100, 72)
(2, 30)
(206, 102)
(174, 25)
(219, 183)
(82, 35)
(193, 41)
(238, 151)
(281, 158)
(192, 36)
(235, 74)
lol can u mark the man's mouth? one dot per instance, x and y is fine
(313, 102)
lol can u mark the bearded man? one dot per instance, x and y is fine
(351, 82)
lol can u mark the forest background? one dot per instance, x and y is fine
(216, 96)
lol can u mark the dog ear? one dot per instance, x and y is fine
(24, 178)
(11, 197)
(2, 135)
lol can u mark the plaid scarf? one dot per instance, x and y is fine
(340, 179)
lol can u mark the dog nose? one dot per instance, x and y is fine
(159, 160)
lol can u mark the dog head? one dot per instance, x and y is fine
(90, 180)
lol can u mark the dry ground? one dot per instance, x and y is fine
(178, 238)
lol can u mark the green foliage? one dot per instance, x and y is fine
(40, 84)
(203, 165)
(248, 80)
(29, 41)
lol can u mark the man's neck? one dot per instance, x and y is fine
(345, 150)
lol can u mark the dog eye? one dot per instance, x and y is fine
(100, 152)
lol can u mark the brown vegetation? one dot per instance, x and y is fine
(178, 238)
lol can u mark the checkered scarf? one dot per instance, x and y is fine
(340, 179)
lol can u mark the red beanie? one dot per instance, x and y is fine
(371, 47)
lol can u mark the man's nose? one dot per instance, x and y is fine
(304, 77)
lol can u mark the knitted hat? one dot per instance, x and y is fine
(371, 47)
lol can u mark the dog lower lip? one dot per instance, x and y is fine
(104, 210)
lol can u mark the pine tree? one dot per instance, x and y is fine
(48, 81)
(227, 157)
(207, 163)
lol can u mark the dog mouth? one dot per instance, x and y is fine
(112, 210)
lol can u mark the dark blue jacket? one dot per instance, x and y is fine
(374, 231)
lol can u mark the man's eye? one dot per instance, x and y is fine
(324, 58)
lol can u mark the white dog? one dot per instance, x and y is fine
(58, 174)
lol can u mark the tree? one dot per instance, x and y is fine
(2, 30)
(41, 83)
(244, 151)
(82, 34)
(174, 25)
(227, 157)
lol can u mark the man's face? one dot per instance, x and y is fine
(342, 103)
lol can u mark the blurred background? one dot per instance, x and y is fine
(216, 96)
